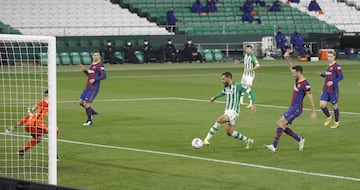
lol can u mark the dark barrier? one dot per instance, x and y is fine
(15, 184)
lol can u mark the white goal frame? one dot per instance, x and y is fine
(52, 114)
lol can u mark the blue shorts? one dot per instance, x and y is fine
(292, 113)
(89, 94)
(330, 97)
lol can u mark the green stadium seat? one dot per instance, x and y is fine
(58, 61)
(85, 58)
(44, 58)
(119, 54)
(217, 55)
(65, 58)
(208, 56)
(140, 56)
(75, 58)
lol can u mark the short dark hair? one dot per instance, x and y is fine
(249, 46)
(96, 51)
(46, 92)
(227, 75)
(298, 68)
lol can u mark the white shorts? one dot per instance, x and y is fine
(232, 115)
(247, 80)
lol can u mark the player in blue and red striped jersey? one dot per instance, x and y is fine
(95, 73)
(301, 88)
(330, 92)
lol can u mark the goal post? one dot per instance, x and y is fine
(27, 69)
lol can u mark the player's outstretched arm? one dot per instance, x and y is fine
(220, 94)
(286, 56)
(313, 112)
(83, 69)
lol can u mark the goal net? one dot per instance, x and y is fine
(28, 147)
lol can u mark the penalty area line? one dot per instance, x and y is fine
(213, 160)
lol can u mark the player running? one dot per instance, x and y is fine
(301, 88)
(232, 91)
(330, 92)
(34, 124)
(250, 65)
(95, 73)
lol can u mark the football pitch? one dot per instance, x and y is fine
(148, 115)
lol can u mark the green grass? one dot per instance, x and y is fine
(169, 125)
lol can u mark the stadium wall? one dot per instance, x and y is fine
(232, 42)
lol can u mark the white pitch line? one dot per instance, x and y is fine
(147, 76)
(194, 100)
(213, 160)
(121, 100)
(262, 105)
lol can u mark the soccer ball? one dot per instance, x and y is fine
(197, 143)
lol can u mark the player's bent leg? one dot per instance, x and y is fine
(36, 139)
(248, 93)
(222, 119)
(281, 125)
(237, 135)
(325, 110)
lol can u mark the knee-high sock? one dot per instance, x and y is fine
(291, 133)
(248, 92)
(89, 112)
(279, 132)
(326, 111)
(337, 114)
(31, 143)
(212, 131)
(239, 136)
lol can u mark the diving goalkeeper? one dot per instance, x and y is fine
(34, 124)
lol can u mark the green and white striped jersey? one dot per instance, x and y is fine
(233, 93)
(250, 61)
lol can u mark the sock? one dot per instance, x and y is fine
(212, 131)
(89, 111)
(279, 132)
(242, 97)
(337, 114)
(247, 92)
(291, 133)
(31, 143)
(239, 136)
(326, 111)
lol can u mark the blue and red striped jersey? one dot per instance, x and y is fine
(333, 73)
(96, 71)
(301, 88)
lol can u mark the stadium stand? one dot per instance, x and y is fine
(7, 29)
(341, 14)
(74, 18)
(228, 19)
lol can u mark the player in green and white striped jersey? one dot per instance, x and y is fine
(232, 91)
(250, 65)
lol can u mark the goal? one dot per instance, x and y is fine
(27, 70)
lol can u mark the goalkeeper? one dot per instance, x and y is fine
(34, 124)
